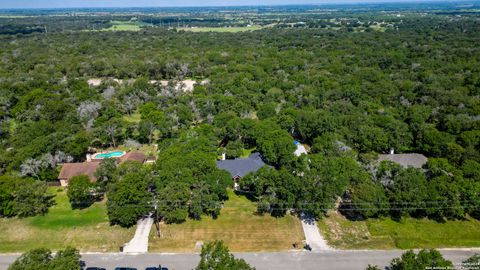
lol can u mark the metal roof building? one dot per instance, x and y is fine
(406, 160)
(240, 167)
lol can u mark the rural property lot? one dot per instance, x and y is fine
(406, 234)
(237, 225)
(87, 229)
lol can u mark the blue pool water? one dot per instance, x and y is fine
(296, 142)
(109, 155)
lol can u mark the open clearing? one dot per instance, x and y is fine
(408, 233)
(222, 29)
(185, 85)
(126, 26)
(86, 229)
(237, 225)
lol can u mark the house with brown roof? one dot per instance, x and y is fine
(70, 170)
(89, 168)
(133, 156)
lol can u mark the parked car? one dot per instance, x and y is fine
(156, 268)
(95, 268)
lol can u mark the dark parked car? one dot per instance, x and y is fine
(156, 268)
(95, 268)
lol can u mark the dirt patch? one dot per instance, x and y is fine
(185, 85)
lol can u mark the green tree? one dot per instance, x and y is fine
(31, 198)
(424, 259)
(42, 259)
(266, 111)
(79, 192)
(408, 193)
(367, 199)
(472, 261)
(173, 202)
(129, 199)
(105, 173)
(215, 256)
(234, 149)
(7, 186)
(277, 147)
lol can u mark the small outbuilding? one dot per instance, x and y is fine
(300, 149)
(133, 156)
(405, 160)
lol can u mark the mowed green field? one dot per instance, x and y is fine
(407, 234)
(222, 29)
(86, 229)
(126, 26)
(237, 225)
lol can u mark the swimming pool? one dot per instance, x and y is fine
(112, 154)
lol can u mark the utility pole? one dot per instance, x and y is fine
(157, 220)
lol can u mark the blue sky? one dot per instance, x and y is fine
(164, 3)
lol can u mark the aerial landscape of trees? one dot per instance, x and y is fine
(347, 93)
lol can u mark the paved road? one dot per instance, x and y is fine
(312, 235)
(328, 260)
(139, 242)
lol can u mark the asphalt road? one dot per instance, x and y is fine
(331, 260)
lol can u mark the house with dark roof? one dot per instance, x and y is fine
(240, 167)
(70, 170)
(405, 160)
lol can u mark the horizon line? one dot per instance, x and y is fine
(329, 2)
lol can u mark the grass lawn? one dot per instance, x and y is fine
(87, 229)
(406, 234)
(246, 152)
(147, 149)
(125, 26)
(222, 29)
(237, 225)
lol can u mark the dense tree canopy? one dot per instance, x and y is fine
(344, 88)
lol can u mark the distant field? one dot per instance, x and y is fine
(237, 225)
(222, 29)
(407, 234)
(86, 229)
(12, 16)
(126, 26)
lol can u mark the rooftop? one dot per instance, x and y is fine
(300, 150)
(240, 167)
(406, 160)
(133, 156)
(70, 170)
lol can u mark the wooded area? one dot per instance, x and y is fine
(347, 92)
